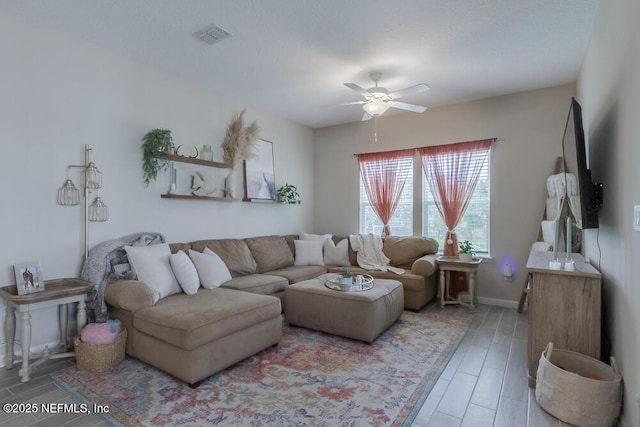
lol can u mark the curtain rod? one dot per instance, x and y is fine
(494, 139)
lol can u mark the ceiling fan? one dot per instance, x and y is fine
(378, 99)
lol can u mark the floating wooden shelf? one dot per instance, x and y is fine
(185, 159)
(246, 199)
(192, 197)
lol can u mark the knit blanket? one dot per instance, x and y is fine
(106, 263)
(368, 248)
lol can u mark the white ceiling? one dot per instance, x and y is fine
(292, 57)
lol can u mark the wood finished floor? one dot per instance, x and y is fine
(484, 384)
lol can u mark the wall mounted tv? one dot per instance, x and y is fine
(574, 151)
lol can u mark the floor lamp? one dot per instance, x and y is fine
(91, 180)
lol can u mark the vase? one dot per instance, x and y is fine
(465, 257)
(206, 153)
(346, 281)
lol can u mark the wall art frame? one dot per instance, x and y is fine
(259, 175)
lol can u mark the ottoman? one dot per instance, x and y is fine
(358, 315)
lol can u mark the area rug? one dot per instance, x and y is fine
(309, 379)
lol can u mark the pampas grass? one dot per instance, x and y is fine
(239, 141)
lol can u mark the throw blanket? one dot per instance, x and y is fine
(370, 255)
(106, 263)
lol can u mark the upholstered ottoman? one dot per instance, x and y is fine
(358, 315)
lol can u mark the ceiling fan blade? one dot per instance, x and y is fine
(358, 89)
(353, 103)
(366, 117)
(411, 90)
(408, 107)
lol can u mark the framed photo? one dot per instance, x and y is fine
(259, 178)
(28, 277)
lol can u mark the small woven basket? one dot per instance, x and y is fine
(100, 357)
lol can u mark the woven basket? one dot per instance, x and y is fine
(567, 388)
(100, 357)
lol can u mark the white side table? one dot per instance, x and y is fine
(58, 292)
(452, 263)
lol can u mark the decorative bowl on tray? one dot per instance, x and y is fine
(353, 283)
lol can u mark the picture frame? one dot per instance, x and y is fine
(259, 176)
(28, 277)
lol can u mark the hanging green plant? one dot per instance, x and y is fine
(289, 194)
(155, 142)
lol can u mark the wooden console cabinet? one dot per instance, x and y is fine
(564, 308)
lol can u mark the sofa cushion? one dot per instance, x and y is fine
(409, 281)
(308, 252)
(234, 253)
(211, 270)
(270, 252)
(336, 253)
(190, 321)
(298, 273)
(151, 264)
(175, 247)
(353, 256)
(185, 272)
(309, 236)
(403, 251)
(258, 284)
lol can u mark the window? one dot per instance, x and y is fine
(474, 225)
(402, 221)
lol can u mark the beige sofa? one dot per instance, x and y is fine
(194, 336)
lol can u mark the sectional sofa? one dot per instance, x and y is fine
(194, 336)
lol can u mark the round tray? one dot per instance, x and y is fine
(357, 285)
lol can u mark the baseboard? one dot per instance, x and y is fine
(498, 302)
(18, 352)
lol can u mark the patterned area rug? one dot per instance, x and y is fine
(309, 379)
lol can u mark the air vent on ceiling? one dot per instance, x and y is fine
(212, 34)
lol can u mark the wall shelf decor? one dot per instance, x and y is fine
(194, 161)
(192, 197)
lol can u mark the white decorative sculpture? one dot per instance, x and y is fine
(202, 184)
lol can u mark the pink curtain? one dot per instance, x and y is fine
(384, 180)
(452, 171)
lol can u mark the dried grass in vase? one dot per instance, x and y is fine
(239, 141)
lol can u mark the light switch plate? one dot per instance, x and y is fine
(636, 218)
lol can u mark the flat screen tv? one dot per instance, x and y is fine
(574, 151)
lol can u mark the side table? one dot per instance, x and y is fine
(58, 292)
(453, 263)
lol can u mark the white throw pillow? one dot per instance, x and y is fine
(185, 272)
(308, 252)
(337, 254)
(152, 266)
(308, 236)
(212, 270)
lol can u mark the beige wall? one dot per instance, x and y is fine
(529, 127)
(609, 92)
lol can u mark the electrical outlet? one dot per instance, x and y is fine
(636, 217)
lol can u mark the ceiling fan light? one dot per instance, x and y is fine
(375, 108)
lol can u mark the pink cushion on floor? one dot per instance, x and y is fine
(97, 333)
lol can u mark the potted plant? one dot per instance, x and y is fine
(346, 277)
(154, 142)
(289, 194)
(466, 251)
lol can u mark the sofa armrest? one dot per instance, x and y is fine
(425, 266)
(128, 295)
